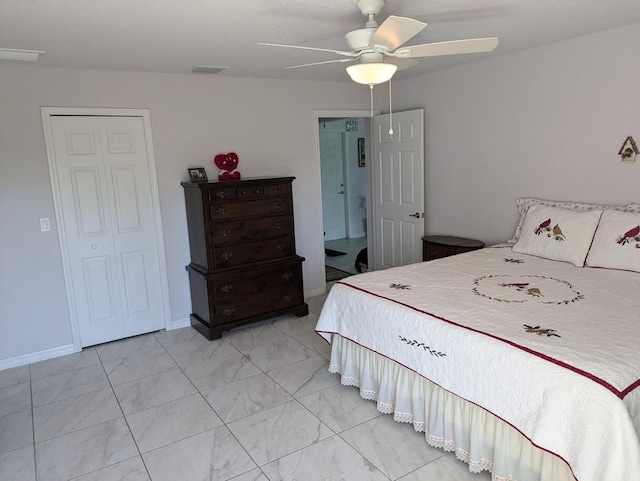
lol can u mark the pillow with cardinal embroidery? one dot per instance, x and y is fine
(557, 234)
(617, 242)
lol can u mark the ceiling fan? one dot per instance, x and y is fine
(380, 50)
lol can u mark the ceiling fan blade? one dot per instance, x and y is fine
(453, 47)
(401, 63)
(395, 31)
(322, 63)
(338, 52)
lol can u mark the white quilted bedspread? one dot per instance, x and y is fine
(550, 348)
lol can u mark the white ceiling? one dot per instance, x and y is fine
(174, 35)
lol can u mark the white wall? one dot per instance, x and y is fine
(546, 122)
(270, 124)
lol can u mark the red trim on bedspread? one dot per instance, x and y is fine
(449, 391)
(593, 377)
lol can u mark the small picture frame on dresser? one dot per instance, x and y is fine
(197, 174)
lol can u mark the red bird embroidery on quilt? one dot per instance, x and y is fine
(517, 285)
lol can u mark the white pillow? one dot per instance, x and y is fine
(616, 244)
(524, 203)
(558, 234)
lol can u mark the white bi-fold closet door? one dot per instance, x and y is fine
(108, 221)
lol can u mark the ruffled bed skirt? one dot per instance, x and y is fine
(476, 436)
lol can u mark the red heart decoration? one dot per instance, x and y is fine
(235, 175)
(224, 176)
(227, 162)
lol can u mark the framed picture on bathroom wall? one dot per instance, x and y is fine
(361, 152)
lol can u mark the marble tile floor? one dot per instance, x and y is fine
(257, 405)
(351, 247)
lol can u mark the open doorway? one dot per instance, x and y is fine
(344, 183)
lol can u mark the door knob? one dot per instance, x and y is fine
(416, 215)
(341, 192)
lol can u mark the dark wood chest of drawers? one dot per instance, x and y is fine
(244, 266)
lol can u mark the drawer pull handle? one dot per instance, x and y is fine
(227, 288)
(287, 275)
(287, 297)
(221, 210)
(280, 247)
(278, 225)
(257, 191)
(228, 312)
(225, 232)
(277, 204)
(225, 256)
(220, 194)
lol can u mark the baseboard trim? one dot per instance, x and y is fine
(36, 356)
(63, 350)
(180, 323)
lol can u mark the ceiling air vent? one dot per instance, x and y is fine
(20, 55)
(207, 69)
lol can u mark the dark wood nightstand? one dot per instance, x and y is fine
(437, 246)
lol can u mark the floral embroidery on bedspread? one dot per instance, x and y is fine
(405, 287)
(541, 332)
(526, 288)
(513, 261)
(413, 342)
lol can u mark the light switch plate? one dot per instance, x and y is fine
(44, 224)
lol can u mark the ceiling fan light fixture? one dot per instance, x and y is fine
(371, 73)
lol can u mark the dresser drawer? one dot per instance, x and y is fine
(248, 283)
(231, 210)
(237, 255)
(249, 192)
(273, 190)
(251, 229)
(221, 193)
(271, 299)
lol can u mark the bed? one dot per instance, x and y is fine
(516, 357)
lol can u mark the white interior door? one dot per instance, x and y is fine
(397, 175)
(109, 228)
(332, 172)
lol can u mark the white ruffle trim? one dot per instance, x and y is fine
(474, 435)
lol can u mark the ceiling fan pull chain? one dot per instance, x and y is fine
(371, 94)
(390, 112)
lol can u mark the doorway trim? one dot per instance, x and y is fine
(47, 114)
(317, 115)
